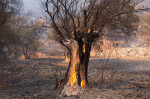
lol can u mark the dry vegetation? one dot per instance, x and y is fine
(114, 79)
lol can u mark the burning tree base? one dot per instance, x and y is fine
(71, 90)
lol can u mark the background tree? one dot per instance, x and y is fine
(144, 27)
(31, 38)
(14, 35)
(79, 23)
(27, 32)
(8, 8)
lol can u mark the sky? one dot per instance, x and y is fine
(33, 6)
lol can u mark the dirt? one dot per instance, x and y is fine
(34, 79)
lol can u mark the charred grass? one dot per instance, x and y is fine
(34, 78)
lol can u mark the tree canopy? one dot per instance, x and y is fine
(8, 8)
(115, 15)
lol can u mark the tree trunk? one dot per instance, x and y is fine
(25, 52)
(66, 54)
(77, 75)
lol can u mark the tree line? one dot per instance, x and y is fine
(19, 35)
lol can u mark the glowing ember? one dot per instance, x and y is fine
(82, 84)
(60, 83)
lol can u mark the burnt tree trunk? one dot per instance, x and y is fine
(76, 78)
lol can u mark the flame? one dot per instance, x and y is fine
(22, 57)
(82, 84)
(59, 84)
(66, 59)
(83, 48)
(83, 81)
(89, 30)
(73, 75)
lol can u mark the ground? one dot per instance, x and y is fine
(34, 79)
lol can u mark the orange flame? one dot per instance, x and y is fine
(66, 59)
(59, 84)
(22, 57)
(83, 81)
(73, 75)
(83, 48)
(82, 84)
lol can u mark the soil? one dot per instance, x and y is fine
(108, 79)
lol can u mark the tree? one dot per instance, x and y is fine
(13, 36)
(8, 8)
(79, 23)
(144, 26)
(26, 35)
(30, 39)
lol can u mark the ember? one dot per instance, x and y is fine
(59, 84)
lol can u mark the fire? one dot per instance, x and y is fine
(60, 83)
(83, 81)
(73, 75)
(83, 48)
(67, 59)
(22, 57)
(82, 84)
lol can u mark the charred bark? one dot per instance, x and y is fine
(86, 60)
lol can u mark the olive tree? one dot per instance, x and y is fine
(79, 23)
(8, 8)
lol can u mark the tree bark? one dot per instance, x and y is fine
(72, 86)
(66, 54)
(77, 76)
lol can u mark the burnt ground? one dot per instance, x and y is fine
(34, 79)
